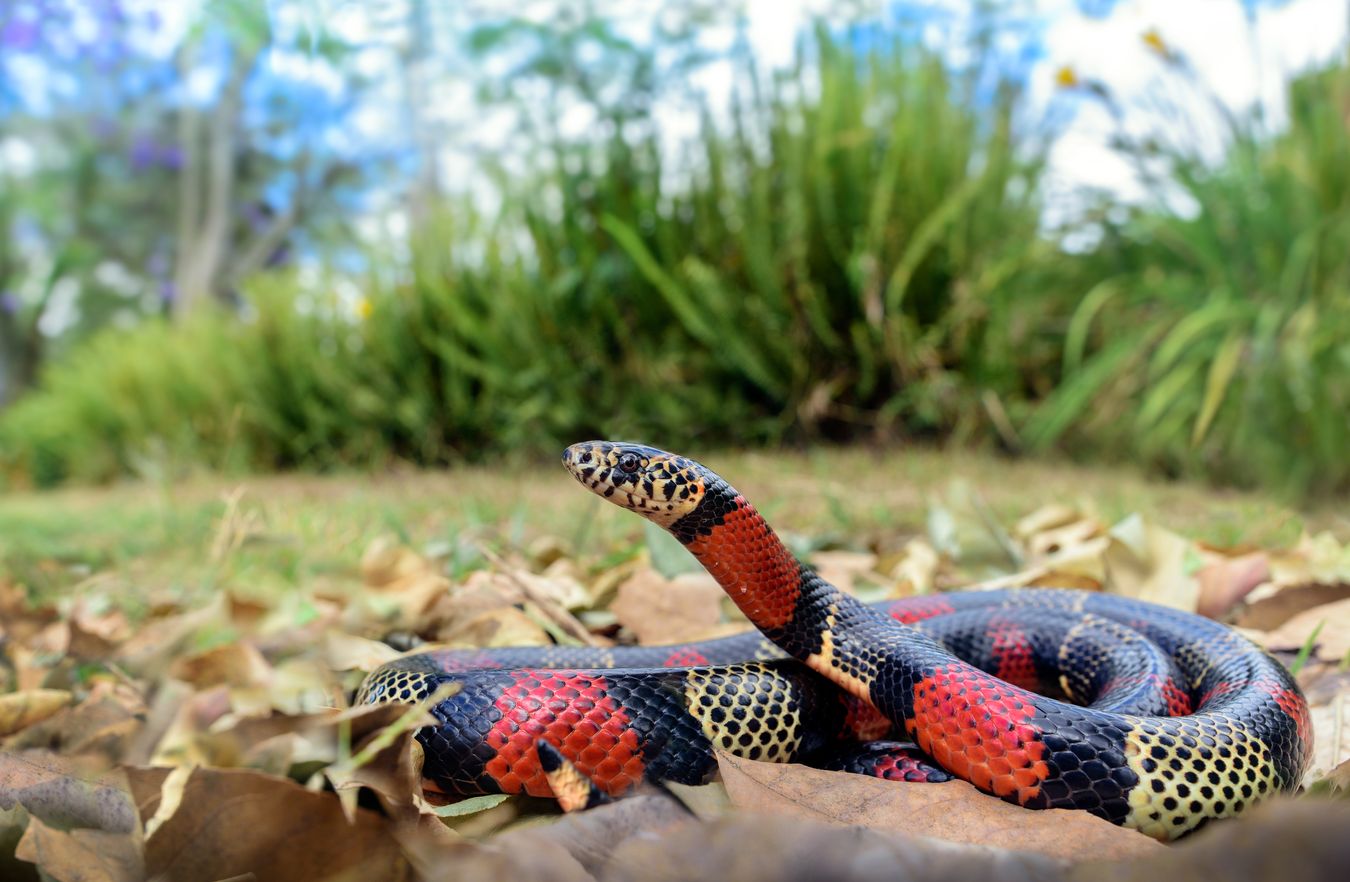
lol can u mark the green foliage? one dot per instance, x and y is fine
(840, 257)
(852, 249)
(1220, 334)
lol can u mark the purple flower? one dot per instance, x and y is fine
(168, 292)
(9, 302)
(19, 35)
(147, 153)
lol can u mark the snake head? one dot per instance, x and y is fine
(660, 486)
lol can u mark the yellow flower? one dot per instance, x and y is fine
(1153, 40)
(1066, 78)
(363, 308)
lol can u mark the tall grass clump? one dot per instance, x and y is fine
(839, 253)
(1215, 339)
(842, 257)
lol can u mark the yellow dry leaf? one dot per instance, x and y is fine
(1046, 518)
(504, 626)
(347, 652)
(19, 710)
(233, 664)
(915, 567)
(170, 797)
(1151, 563)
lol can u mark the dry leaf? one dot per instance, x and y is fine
(387, 562)
(1224, 581)
(81, 854)
(64, 793)
(591, 836)
(954, 810)
(1333, 638)
(1083, 537)
(347, 652)
(1319, 559)
(233, 664)
(1331, 737)
(660, 610)
(764, 848)
(1150, 563)
(230, 822)
(544, 550)
(105, 722)
(843, 568)
(1279, 604)
(1048, 517)
(503, 626)
(18, 710)
(915, 567)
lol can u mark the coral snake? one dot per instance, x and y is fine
(1146, 716)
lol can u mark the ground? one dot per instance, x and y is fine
(162, 534)
(167, 649)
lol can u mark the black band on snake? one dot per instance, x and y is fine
(1148, 717)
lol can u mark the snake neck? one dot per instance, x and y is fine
(790, 603)
(742, 552)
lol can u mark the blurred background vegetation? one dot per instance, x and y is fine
(269, 235)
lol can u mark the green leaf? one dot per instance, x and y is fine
(470, 806)
(1221, 372)
(1305, 651)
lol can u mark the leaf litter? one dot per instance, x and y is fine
(167, 738)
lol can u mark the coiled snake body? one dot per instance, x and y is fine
(1162, 720)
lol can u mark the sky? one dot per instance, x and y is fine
(1214, 35)
(1243, 62)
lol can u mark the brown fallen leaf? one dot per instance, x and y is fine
(1281, 840)
(233, 664)
(232, 822)
(843, 568)
(81, 854)
(503, 626)
(660, 610)
(1225, 581)
(953, 811)
(1331, 621)
(18, 710)
(590, 837)
(764, 848)
(1272, 609)
(65, 793)
(1331, 736)
(104, 723)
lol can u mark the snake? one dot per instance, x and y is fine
(1149, 717)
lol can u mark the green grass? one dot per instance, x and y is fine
(133, 542)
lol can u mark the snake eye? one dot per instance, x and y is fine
(629, 463)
